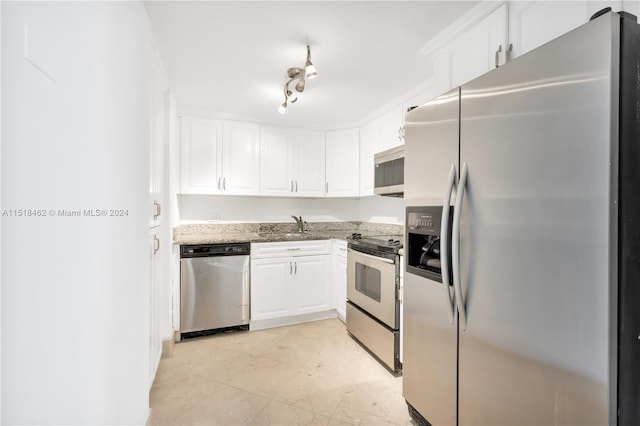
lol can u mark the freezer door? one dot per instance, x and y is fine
(430, 332)
(535, 234)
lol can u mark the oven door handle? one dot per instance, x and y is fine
(455, 247)
(444, 242)
(368, 256)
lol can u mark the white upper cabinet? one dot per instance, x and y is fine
(511, 30)
(200, 155)
(292, 162)
(369, 143)
(391, 129)
(219, 157)
(343, 164)
(276, 161)
(534, 23)
(309, 163)
(473, 53)
(240, 158)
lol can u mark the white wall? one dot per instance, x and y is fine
(382, 210)
(276, 209)
(75, 136)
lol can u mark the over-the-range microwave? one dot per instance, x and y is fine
(389, 172)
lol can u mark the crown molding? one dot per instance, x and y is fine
(462, 24)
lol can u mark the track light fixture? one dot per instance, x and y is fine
(299, 75)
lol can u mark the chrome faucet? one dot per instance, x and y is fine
(302, 225)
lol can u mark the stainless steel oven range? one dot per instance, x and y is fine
(373, 305)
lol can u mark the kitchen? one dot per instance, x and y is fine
(87, 356)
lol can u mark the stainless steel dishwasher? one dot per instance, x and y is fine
(214, 288)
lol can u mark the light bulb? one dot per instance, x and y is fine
(282, 108)
(292, 96)
(311, 72)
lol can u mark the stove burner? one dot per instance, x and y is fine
(356, 236)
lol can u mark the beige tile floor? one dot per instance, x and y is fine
(309, 374)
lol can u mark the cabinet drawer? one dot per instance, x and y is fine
(341, 248)
(290, 248)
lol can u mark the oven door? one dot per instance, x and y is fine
(371, 285)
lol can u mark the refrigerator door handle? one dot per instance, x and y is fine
(455, 247)
(444, 241)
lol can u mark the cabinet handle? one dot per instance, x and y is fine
(158, 209)
(290, 268)
(509, 50)
(294, 249)
(326, 187)
(295, 270)
(291, 190)
(224, 183)
(156, 244)
(296, 186)
(498, 55)
(219, 179)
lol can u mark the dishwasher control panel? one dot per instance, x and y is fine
(205, 250)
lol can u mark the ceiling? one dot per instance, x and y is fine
(232, 56)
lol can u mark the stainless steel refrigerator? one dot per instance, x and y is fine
(535, 166)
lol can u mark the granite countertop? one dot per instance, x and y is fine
(214, 233)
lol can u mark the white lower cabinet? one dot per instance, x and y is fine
(270, 288)
(311, 279)
(290, 283)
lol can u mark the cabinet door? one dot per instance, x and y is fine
(532, 24)
(270, 288)
(475, 52)
(276, 161)
(369, 138)
(156, 147)
(390, 129)
(200, 155)
(343, 164)
(311, 284)
(481, 49)
(240, 161)
(309, 163)
(155, 340)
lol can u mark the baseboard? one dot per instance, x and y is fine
(291, 320)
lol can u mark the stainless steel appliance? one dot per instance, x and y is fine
(389, 172)
(539, 159)
(373, 306)
(214, 287)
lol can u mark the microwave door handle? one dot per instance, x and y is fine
(368, 256)
(444, 242)
(455, 247)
